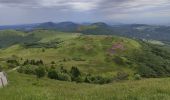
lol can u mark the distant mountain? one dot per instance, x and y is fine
(141, 31)
(24, 27)
(100, 24)
(47, 25)
(63, 26)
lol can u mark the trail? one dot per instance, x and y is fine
(13, 69)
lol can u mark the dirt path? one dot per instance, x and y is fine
(13, 69)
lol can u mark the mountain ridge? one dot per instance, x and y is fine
(140, 31)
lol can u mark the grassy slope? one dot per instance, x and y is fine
(11, 33)
(25, 87)
(93, 49)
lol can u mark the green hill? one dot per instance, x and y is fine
(89, 53)
(82, 67)
(96, 54)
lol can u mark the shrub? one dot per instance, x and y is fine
(52, 73)
(137, 77)
(146, 71)
(62, 70)
(120, 60)
(40, 72)
(43, 50)
(13, 62)
(28, 69)
(97, 79)
(64, 77)
(122, 76)
(33, 62)
(20, 70)
(75, 73)
(79, 79)
(52, 62)
(11, 65)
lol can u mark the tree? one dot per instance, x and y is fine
(40, 72)
(52, 73)
(14, 62)
(26, 62)
(75, 73)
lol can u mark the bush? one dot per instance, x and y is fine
(75, 73)
(64, 77)
(120, 60)
(28, 69)
(97, 79)
(59, 75)
(137, 77)
(79, 79)
(40, 72)
(52, 62)
(52, 73)
(122, 76)
(14, 62)
(62, 70)
(33, 62)
(11, 66)
(146, 71)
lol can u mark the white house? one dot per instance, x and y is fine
(3, 79)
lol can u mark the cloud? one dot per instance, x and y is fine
(83, 5)
(86, 5)
(79, 5)
(93, 10)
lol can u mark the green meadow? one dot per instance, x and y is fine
(138, 70)
(26, 87)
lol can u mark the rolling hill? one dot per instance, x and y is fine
(91, 53)
(108, 66)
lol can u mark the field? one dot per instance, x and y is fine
(26, 87)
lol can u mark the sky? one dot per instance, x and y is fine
(111, 11)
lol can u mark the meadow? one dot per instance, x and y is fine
(26, 87)
(102, 55)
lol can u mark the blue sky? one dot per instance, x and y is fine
(123, 11)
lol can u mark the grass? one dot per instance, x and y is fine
(91, 48)
(94, 51)
(26, 87)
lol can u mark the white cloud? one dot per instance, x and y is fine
(86, 9)
(83, 5)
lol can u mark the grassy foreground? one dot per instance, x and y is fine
(26, 87)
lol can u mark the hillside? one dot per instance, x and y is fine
(92, 50)
(90, 67)
(101, 54)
